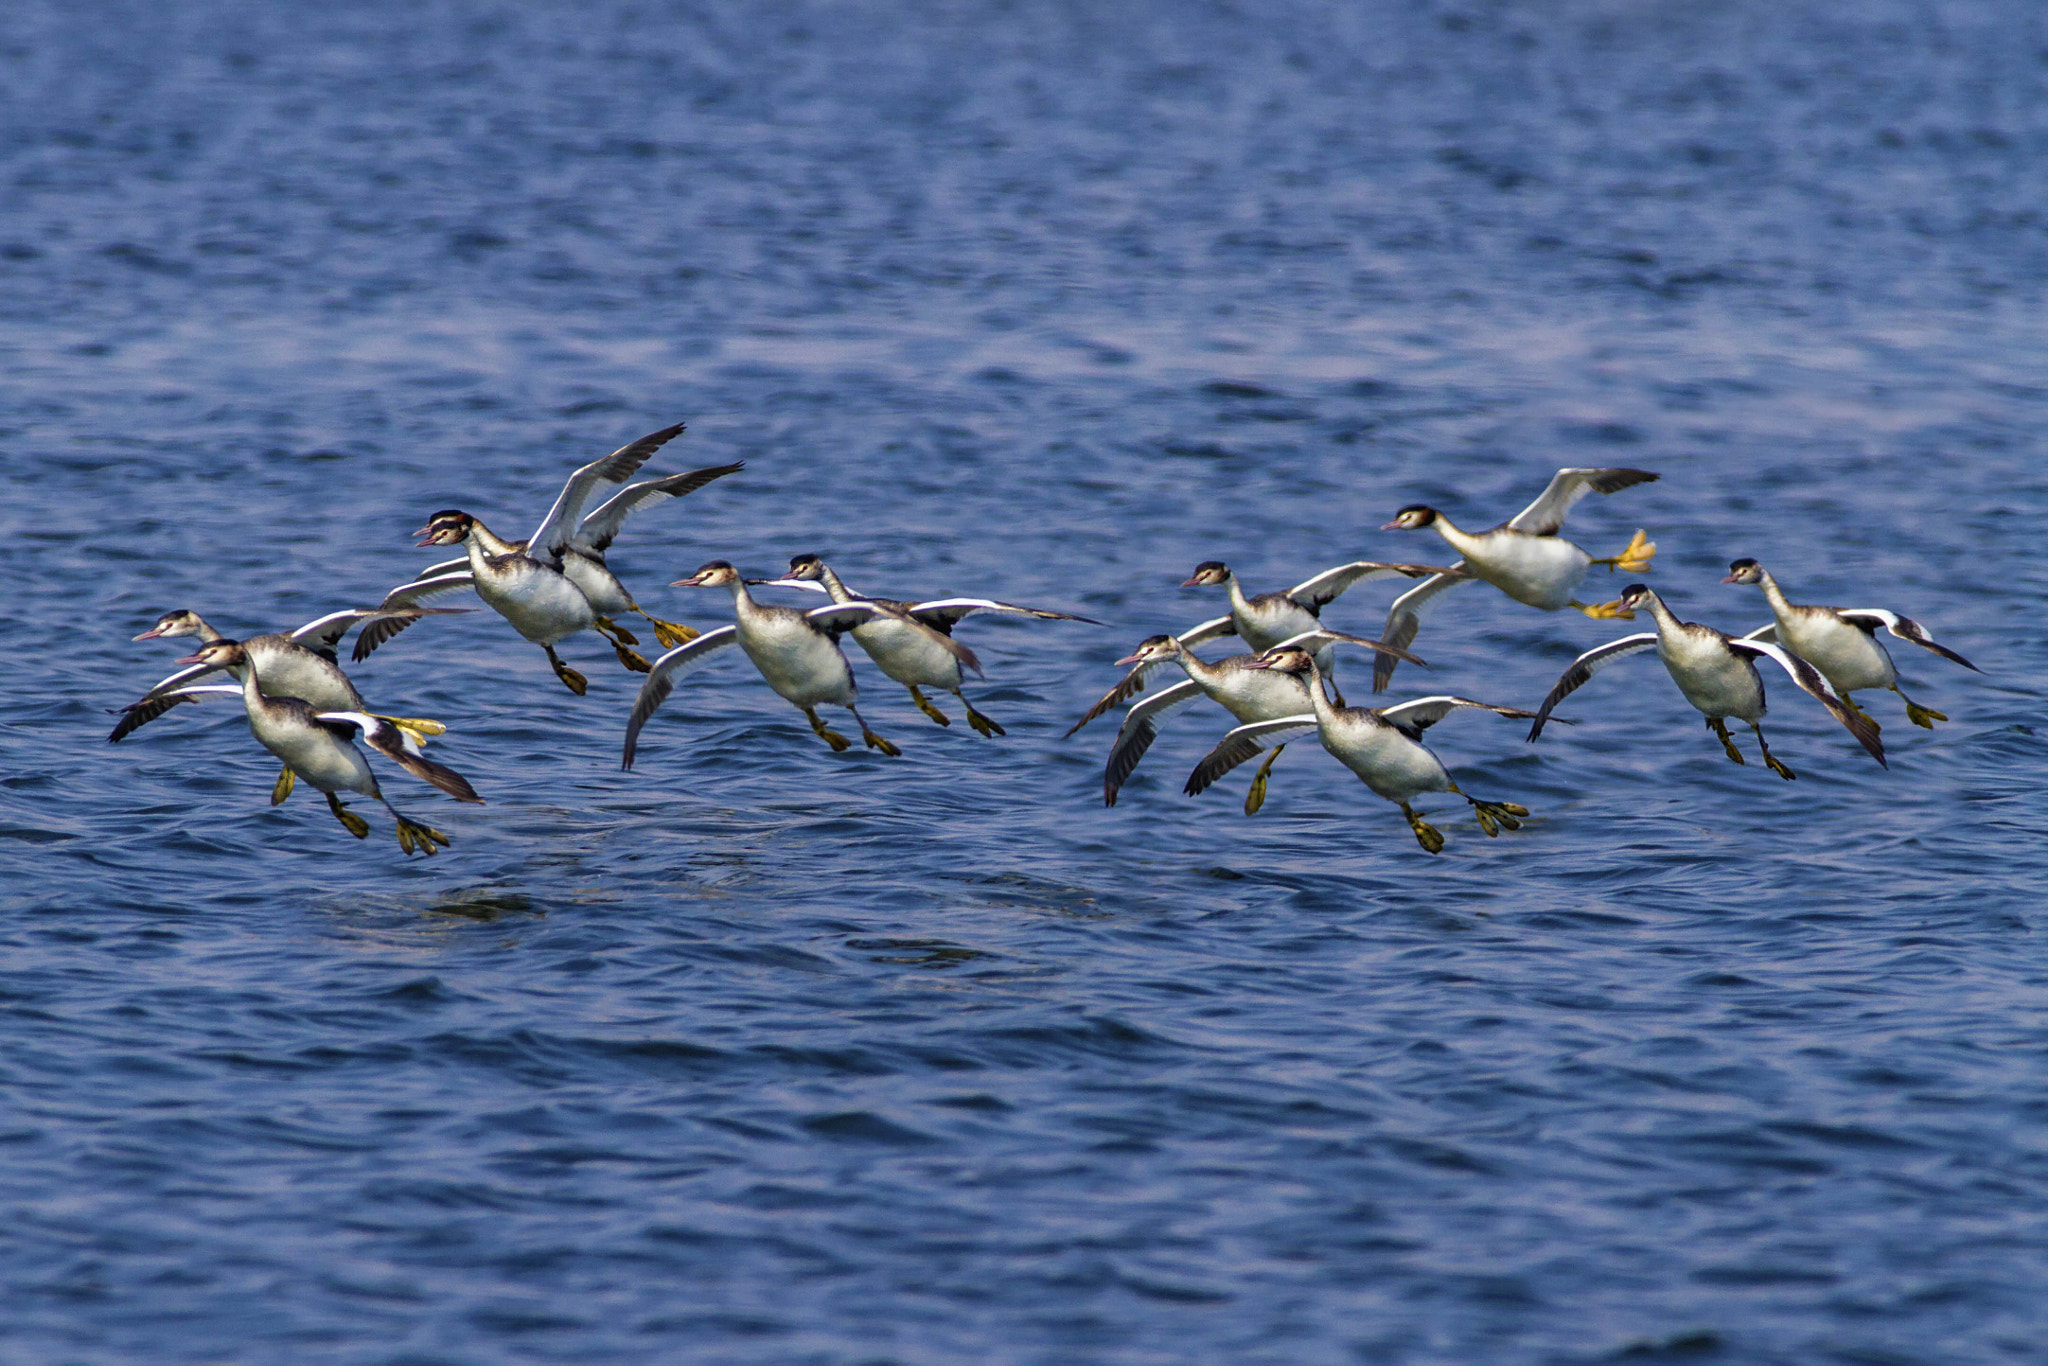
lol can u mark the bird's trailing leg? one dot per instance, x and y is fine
(873, 740)
(416, 838)
(622, 642)
(1493, 817)
(1783, 772)
(418, 727)
(983, 724)
(283, 787)
(1605, 611)
(826, 733)
(1917, 714)
(1635, 557)
(1720, 728)
(350, 821)
(669, 633)
(924, 705)
(1428, 836)
(575, 682)
(1256, 796)
(1857, 707)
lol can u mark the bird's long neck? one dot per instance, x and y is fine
(1667, 623)
(205, 632)
(838, 591)
(1195, 666)
(1240, 605)
(482, 538)
(1461, 541)
(1326, 710)
(1773, 594)
(743, 604)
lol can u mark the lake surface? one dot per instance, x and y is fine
(764, 1054)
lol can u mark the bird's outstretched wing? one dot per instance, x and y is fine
(322, 634)
(1585, 666)
(1545, 516)
(1322, 590)
(1419, 715)
(1133, 683)
(1404, 619)
(553, 534)
(661, 680)
(1767, 634)
(403, 750)
(1809, 678)
(1905, 628)
(1246, 742)
(943, 613)
(400, 609)
(1139, 730)
(601, 527)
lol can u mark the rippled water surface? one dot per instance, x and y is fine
(761, 1053)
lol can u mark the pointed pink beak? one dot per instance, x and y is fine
(1392, 526)
(190, 659)
(151, 634)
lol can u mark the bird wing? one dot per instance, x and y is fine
(206, 690)
(1129, 686)
(1809, 678)
(1404, 619)
(1140, 728)
(1767, 634)
(597, 531)
(403, 750)
(553, 534)
(1905, 628)
(836, 617)
(1246, 742)
(1545, 516)
(1588, 664)
(942, 613)
(1315, 640)
(1320, 591)
(322, 634)
(661, 680)
(1134, 682)
(1419, 715)
(435, 571)
(400, 609)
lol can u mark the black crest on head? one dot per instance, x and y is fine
(1737, 566)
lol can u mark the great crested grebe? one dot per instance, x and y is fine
(1524, 557)
(1382, 745)
(318, 746)
(915, 645)
(1842, 641)
(1716, 672)
(797, 652)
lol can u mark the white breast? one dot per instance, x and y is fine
(1713, 677)
(909, 654)
(1541, 571)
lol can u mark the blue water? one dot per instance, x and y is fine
(764, 1054)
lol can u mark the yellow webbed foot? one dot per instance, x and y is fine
(350, 821)
(1428, 836)
(418, 727)
(875, 741)
(633, 660)
(1635, 557)
(670, 633)
(1923, 716)
(414, 837)
(1256, 796)
(1606, 611)
(283, 787)
(1783, 772)
(575, 682)
(619, 634)
(982, 723)
(1720, 729)
(924, 705)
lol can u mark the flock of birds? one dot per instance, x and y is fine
(302, 707)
